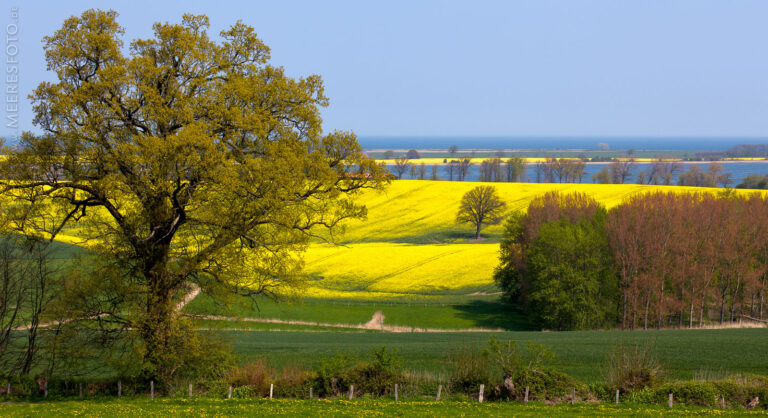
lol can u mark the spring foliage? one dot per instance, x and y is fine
(187, 160)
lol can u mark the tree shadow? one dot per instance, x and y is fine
(494, 314)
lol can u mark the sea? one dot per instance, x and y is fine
(691, 143)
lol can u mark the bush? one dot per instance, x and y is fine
(256, 376)
(331, 379)
(631, 368)
(544, 384)
(294, 382)
(689, 393)
(470, 367)
(379, 376)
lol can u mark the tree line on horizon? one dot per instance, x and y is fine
(656, 260)
(660, 171)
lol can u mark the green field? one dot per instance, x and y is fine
(143, 407)
(684, 353)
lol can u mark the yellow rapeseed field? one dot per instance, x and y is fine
(410, 244)
(402, 268)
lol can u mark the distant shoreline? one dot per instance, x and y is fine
(477, 160)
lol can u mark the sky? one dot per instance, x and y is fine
(481, 68)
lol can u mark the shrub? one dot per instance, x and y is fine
(294, 382)
(256, 375)
(330, 379)
(379, 376)
(470, 367)
(544, 383)
(631, 368)
(689, 393)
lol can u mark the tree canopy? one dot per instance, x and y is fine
(481, 206)
(181, 160)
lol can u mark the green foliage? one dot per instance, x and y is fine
(544, 383)
(330, 379)
(470, 367)
(378, 376)
(572, 285)
(197, 161)
(753, 181)
(633, 367)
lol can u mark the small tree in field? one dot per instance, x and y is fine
(481, 206)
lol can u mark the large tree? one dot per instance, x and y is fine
(481, 206)
(181, 160)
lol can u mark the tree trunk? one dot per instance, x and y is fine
(477, 231)
(156, 332)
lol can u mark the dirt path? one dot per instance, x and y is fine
(194, 290)
(376, 323)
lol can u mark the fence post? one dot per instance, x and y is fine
(152, 389)
(439, 389)
(722, 401)
(119, 388)
(351, 392)
(480, 396)
(229, 393)
(671, 399)
(190, 390)
(573, 395)
(525, 400)
(45, 388)
(395, 392)
(310, 392)
(617, 396)
(80, 389)
(8, 389)
(271, 387)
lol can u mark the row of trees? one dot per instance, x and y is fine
(568, 170)
(491, 170)
(559, 170)
(656, 260)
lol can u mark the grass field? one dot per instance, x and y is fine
(441, 313)
(143, 407)
(684, 353)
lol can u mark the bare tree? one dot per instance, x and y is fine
(464, 164)
(481, 206)
(452, 169)
(422, 171)
(621, 170)
(433, 172)
(401, 166)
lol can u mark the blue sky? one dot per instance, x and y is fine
(487, 68)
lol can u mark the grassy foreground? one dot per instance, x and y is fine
(368, 407)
